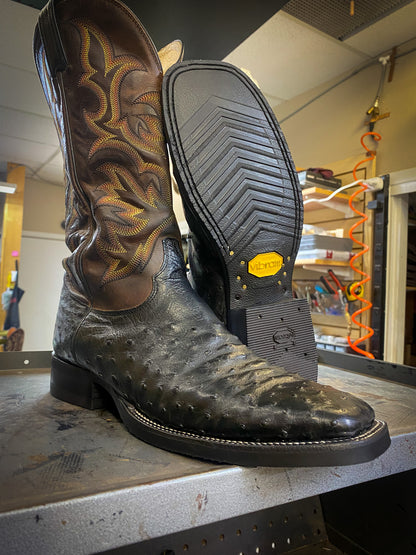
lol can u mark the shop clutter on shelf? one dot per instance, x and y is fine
(325, 252)
(331, 342)
(327, 298)
(319, 300)
(321, 249)
(325, 247)
(318, 177)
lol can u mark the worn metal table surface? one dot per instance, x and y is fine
(75, 481)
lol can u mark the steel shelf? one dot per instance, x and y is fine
(75, 481)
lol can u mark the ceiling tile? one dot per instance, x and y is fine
(288, 57)
(31, 127)
(24, 152)
(272, 100)
(57, 160)
(52, 174)
(336, 18)
(383, 35)
(21, 90)
(17, 24)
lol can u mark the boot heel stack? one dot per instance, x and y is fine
(75, 385)
(281, 332)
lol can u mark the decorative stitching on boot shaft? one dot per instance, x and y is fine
(112, 129)
(106, 104)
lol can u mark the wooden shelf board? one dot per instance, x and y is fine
(321, 262)
(338, 320)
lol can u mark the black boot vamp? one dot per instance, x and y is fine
(174, 361)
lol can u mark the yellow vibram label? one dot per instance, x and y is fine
(265, 264)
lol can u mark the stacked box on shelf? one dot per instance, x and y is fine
(312, 179)
(323, 247)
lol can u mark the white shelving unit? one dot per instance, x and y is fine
(401, 184)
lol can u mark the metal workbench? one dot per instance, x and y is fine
(75, 481)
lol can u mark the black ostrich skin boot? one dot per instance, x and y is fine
(244, 207)
(129, 324)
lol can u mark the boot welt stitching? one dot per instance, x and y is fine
(366, 435)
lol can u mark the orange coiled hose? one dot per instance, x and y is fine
(365, 248)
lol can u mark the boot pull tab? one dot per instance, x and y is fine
(171, 54)
(49, 32)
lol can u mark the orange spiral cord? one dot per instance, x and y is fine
(365, 248)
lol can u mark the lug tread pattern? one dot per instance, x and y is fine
(241, 174)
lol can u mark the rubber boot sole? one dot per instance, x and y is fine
(82, 387)
(241, 193)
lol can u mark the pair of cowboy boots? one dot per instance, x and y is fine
(129, 324)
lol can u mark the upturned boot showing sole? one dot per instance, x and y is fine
(129, 325)
(244, 208)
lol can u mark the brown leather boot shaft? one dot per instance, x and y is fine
(102, 78)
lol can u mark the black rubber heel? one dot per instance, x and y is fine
(75, 385)
(282, 333)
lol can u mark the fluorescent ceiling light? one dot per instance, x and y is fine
(7, 187)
